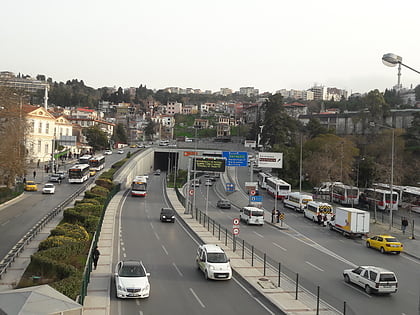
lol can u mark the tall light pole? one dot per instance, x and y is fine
(391, 60)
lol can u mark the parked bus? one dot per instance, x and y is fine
(297, 201)
(139, 186)
(315, 208)
(79, 173)
(252, 215)
(381, 198)
(97, 163)
(84, 159)
(407, 195)
(262, 179)
(345, 194)
(278, 188)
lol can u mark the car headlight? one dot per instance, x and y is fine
(163, 217)
(212, 267)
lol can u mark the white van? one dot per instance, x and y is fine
(213, 262)
(252, 215)
(315, 208)
(297, 201)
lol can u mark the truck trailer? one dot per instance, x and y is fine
(350, 222)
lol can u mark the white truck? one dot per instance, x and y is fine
(350, 221)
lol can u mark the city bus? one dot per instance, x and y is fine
(381, 198)
(84, 159)
(278, 188)
(79, 173)
(345, 194)
(262, 179)
(139, 186)
(97, 163)
(315, 208)
(297, 201)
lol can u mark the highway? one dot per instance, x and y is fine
(168, 253)
(320, 255)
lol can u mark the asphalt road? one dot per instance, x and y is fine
(168, 252)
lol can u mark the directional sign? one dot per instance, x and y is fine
(255, 198)
(235, 231)
(230, 187)
(235, 221)
(270, 159)
(235, 158)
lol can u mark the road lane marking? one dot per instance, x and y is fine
(157, 236)
(151, 224)
(350, 285)
(4, 223)
(316, 267)
(164, 249)
(177, 269)
(282, 248)
(260, 235)
(197, 298)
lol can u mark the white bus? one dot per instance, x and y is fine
(297, 201)
(97, 163)
(381, 198)
(84, 159)
(252, 215)
(345, 194)
(139, 186)
(315, 208)
(79, 173)
(278, 188)
(262, 179)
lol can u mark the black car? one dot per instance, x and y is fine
(223, 204)
(167, 215)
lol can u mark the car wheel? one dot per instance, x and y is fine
(367, 244)
(347, 278)
(382, 250)
(368, 289)
(173, 221)
(206, 276)
(397, 253)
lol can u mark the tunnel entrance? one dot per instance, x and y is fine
(166, 161)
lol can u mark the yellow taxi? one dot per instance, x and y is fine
(30, 185)
(133, 146)
(92, 172)
(384, 243)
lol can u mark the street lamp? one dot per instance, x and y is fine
(391, 60)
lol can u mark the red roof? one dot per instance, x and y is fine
(294, 104)
(85, 110)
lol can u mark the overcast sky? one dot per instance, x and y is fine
(266, 44)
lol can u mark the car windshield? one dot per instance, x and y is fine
(167, 211)
(131, 271)
(387, 277)
(391, 239)
(49, 186)
(217, 258)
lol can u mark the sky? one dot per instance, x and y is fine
(208, 45)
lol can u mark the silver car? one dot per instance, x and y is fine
(131, 279)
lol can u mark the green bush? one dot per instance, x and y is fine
(109, 174)
(86, 200)
(91, 195)
(100, 191)
(69, 286)
(105, 182)
(75, 231)
(56, 241)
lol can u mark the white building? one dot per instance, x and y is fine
(248, 91)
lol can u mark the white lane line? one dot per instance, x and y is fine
(282, 248)
(151, 224)
(197, 298)
(260, 235)
(177, 269)
(157, 236)
(4, 223)
(138, 302)
(316, 267)
(409, 258)
(164, 249)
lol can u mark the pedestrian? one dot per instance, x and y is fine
(278, 216)
(24, 180)
(273, 214)
(404, 224)
(37, 164)
(34, 174)
(95, 257)
(325, 220)
(319, 216)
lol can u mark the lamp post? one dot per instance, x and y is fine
(391, 60)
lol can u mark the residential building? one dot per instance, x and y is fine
(248, 91)
(201, 123)
(295, 109)
(173, 108)
(25, 83)
(320, 92)
(297, 94)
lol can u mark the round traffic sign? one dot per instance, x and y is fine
(235, 231)
(191, 192)
(235, 221)
(252, 192)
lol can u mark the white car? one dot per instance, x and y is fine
(372, 279)
(108, 152)
(120, 151)
(48, 188)
(213, 262)
(131, 279)
(208, 182)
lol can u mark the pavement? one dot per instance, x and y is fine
(97, 301)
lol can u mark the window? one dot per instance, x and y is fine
(39, 146)
(40, 127)
(46, 148)
(373, 275)
(47, 128)
(358, 270)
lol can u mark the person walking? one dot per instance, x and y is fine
(404, 224)
(273, 214)
(95, 257)
(34, 174)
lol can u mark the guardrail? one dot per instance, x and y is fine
(10, 257)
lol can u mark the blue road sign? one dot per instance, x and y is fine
(255, 198)
(230, 187)
(235, 158)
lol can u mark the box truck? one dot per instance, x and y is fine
(350, 221)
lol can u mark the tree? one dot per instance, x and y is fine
(120, 135)
(314, 128)
(96, 138)
(149, 131)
